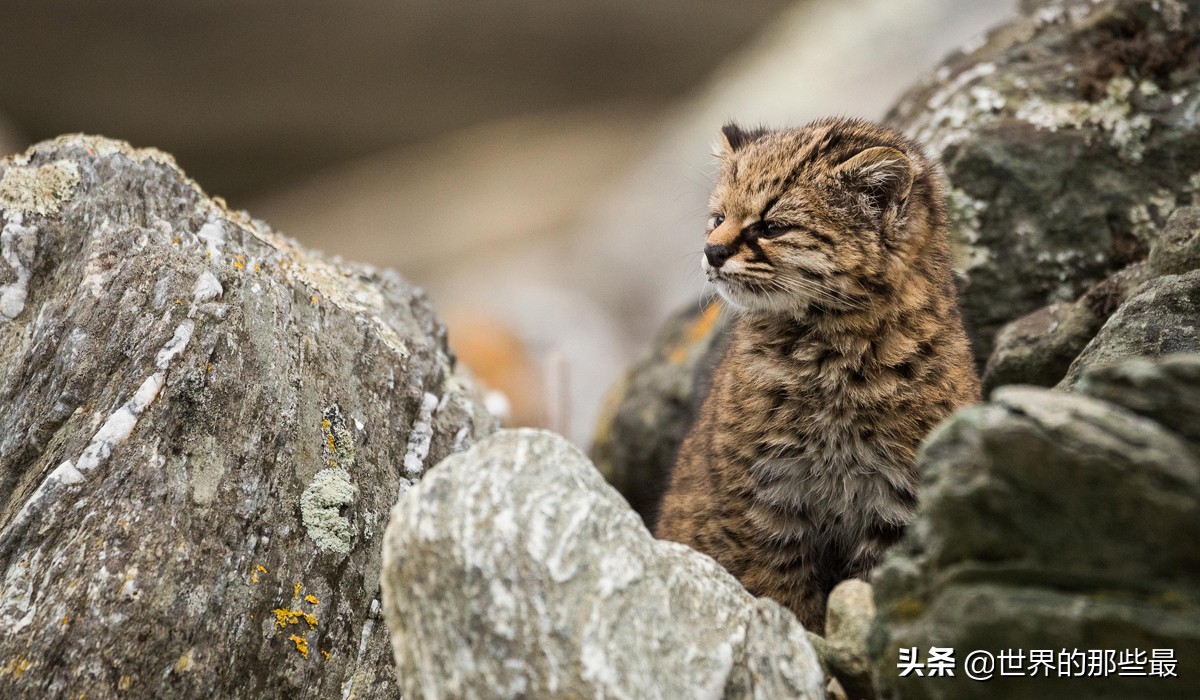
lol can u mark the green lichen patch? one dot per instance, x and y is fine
(321, 507)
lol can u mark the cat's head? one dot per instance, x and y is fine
(823, 218)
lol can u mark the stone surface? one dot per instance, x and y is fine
(204, 426)
(1163, 390)
(651, 408)
(1160, 317)
(514, 570)
(1039, 347)
(1068, 137)
(1054, 520)
(848, 623)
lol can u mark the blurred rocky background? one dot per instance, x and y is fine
(541, 168)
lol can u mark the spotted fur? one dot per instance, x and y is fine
(799, 470)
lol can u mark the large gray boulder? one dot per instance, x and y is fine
(203, 428)
(514, 570)
(1051, 521)
(1068, 137)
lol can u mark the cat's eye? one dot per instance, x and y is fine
(774, 229)
(717, 220)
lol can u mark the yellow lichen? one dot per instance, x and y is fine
(310, 598)
(285, 617)
(184, 663)
(296, 590)
(301, 644)
(289, 616)
(327, 427)
(325, 654)
(15, 667)
(314, 298)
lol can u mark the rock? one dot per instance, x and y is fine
(1163, 390)
(204, 427)
(513, 570)
(848, 622)
(1038, 348)
(1052, 521)
(1177, 248)
(650, 410)
(1160, 318)
(1067, 138)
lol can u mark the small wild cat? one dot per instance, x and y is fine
(799, 470)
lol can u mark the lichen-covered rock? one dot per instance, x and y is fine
(1052, 521)
(203, 429)
(652, 407)
(1068, 137)
(1161, 317)
(847, 626)
(514, 570)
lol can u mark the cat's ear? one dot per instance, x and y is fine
(734, 138)
(883, 174)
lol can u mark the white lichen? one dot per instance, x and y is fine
(1172, 11)
(320, 509)
(1114, 115)
(1144, 218)
(964, 211)
(40, 190)
(18, 244)
(957, 108)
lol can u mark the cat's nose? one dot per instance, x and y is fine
(717, 254)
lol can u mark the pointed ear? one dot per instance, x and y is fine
(734, 137)
(883, 174)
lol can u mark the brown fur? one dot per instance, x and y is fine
(799, 470)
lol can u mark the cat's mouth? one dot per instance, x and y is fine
(740, 289)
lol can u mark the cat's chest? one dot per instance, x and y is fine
(819, 453)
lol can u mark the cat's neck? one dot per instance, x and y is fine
(909, 315)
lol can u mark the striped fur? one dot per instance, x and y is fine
(799, 470)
